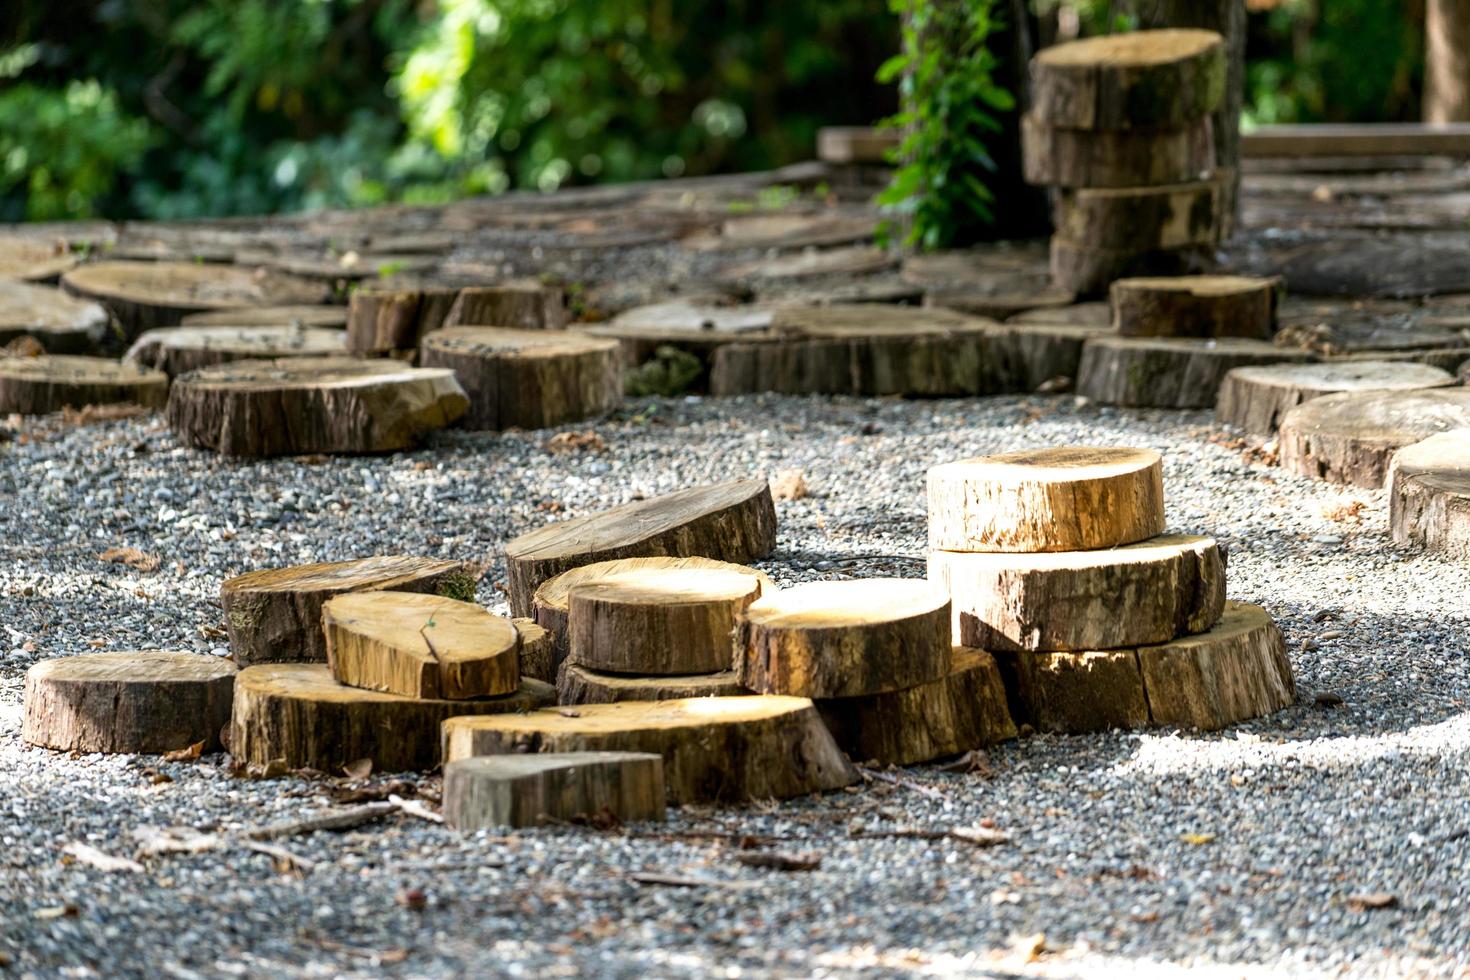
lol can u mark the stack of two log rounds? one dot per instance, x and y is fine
(1056, 562)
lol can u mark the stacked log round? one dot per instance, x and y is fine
(1196, 306)
(62, 324)
(529, 379)
(1122, 125)
(312, 405)
(1169, 372)
(177, 350)
(1255, 399)
(38, 385)
(1429, 494)
(1351, 437)
(576, 684)
(532, 790)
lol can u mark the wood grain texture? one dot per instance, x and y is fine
(176, 350)
(1088, 270)
(274, 615)
(49, 383)
(963, 710)
(734, 521)
(1255, 399)
(553, 788)
(1141, 218)
(420, 646)
(147, 701)
(1196, 306)
(1062, 498)
(143, 295)
(1169, 372)
(1351, 437)
(1134, 595)
(537, 649)
(714, 749)
(844, 639)
(382, 321)
(576, 684)
(527, 305)
(1429, 494)
(1116, 158)
(298, 716)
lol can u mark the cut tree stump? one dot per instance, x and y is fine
(734, 521)
(1429, 494)
(1116, 158)
(714, 749)
(1088, 270)
(551, 601)
(517, 305)
(327, 317)
(1066, 498)
(1196, 306)
(60, 323)
(1169, 372)
(1024, 356)
(858, 349)
(692, 327)
(306, 405)
(1257, 398)
(581, 685)
(529, 379)
(961, 711)
(553, 788)
(34, 260)
(143, 295)
(49, 383)
(274, 615)
(420, 646)
(1129, 596)
(176, 350)
(384, 321)
(1159, 79)
(149, 701)
(1092, 314)
(658, 620)
(1237, 670)
(537, 650)
(844, 639)
(1141, 218)
(297, 716)
(1351, 437)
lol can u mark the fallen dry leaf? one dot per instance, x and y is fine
(788, 485)
(186, 754)
(567, 442)
(361, 769)
(58, 911)
(1372, 900)
(1030, 948)
(413, 899)
(140, 561)
(1197, 839)
(1348, 512)
(92, 857)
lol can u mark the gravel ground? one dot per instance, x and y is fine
(1234, 853)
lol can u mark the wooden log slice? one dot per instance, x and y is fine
(60, 323)
(1115, 158)
(693, 327)
(312, 405)
(1454, 361)
(1142, 79)
(1001, 299)
(1196, 306)
(714, 749)
(1088, 270)
(856, 261)
(299, 717)
(1141, 218)
(1429, 494)
(537, 651)
(556, 788)
(420, 646)
(963, 710)
(576, 684)
(143, 295)
(1351, 437)
(34, 260)
(1169, 372)
(177, 350)
(844, 639)
(734, 521)
(659, 620)
(381, 321)
(1093, 314)
(1132, 595)
(150, 701)
(552, 599)
(274, 615)
(1022, 357)
(1256, 398)
(1066, 498)
(329, 317)
(1236, 670)
(518, 305)
(530, 379)
(971, 266)
(49, 383)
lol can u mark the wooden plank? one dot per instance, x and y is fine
(1358, 139)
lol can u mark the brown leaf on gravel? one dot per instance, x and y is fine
(1372, 900)
(789, 485)
(140, 561)
(1347, 512)
(361, 769)
(568, 442)
(412, 899)
(187, 754)
(974, 761)
(1030, 948)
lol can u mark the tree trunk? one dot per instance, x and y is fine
(1447, 61)
(1228, 18)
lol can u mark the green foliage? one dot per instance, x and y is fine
(669, 372)
(951, 104)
